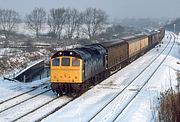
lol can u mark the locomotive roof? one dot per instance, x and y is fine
(150, 33)
(111, 43)
(85, 52)
(72, 52)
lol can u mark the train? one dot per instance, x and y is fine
(74, 71)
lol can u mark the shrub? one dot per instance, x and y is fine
(170, 105)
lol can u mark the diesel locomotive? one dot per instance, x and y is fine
(75, 70)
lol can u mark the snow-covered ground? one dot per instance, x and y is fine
(141, 109)
(9, 89)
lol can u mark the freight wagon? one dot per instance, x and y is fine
(116, 54)
(137, 45)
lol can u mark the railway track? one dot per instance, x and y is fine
(23, 107)
(50, 108)
(45, 99)
(15, 101)
(145, 82)
(25, 114)
(135, 90)
(19, 100)
(26, 92)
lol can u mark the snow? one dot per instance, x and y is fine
(2, 36)
(84, 107)
(142, 109)
(44, 110)
(25, 107)
(110, 112)
(20, 99)
(10, 89)
(9, 51)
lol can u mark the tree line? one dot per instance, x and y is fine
(62, 22)
(174, 26)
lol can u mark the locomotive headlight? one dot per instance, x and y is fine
(60, 53)
(70, 53)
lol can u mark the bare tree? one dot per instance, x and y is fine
(8, 21)
(79, 25)
(35, 20)
(56, 21)
(94, 21)
(73, 22)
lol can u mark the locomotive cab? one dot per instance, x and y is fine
(66, 68)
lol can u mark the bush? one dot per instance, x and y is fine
(170, 105)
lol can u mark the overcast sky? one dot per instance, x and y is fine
(114, 8)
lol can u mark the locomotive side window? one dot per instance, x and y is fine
(75, 62)
(65, 61)
(55, 62)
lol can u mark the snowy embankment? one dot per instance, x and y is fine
(15, 62)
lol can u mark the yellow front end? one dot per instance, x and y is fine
(66, 69)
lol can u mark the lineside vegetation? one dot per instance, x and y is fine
(170, 104)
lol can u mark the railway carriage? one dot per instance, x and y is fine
(152, 39)
(143, 42)
(161, 33)
(137, 45)
(116, 54)
(134, 47)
